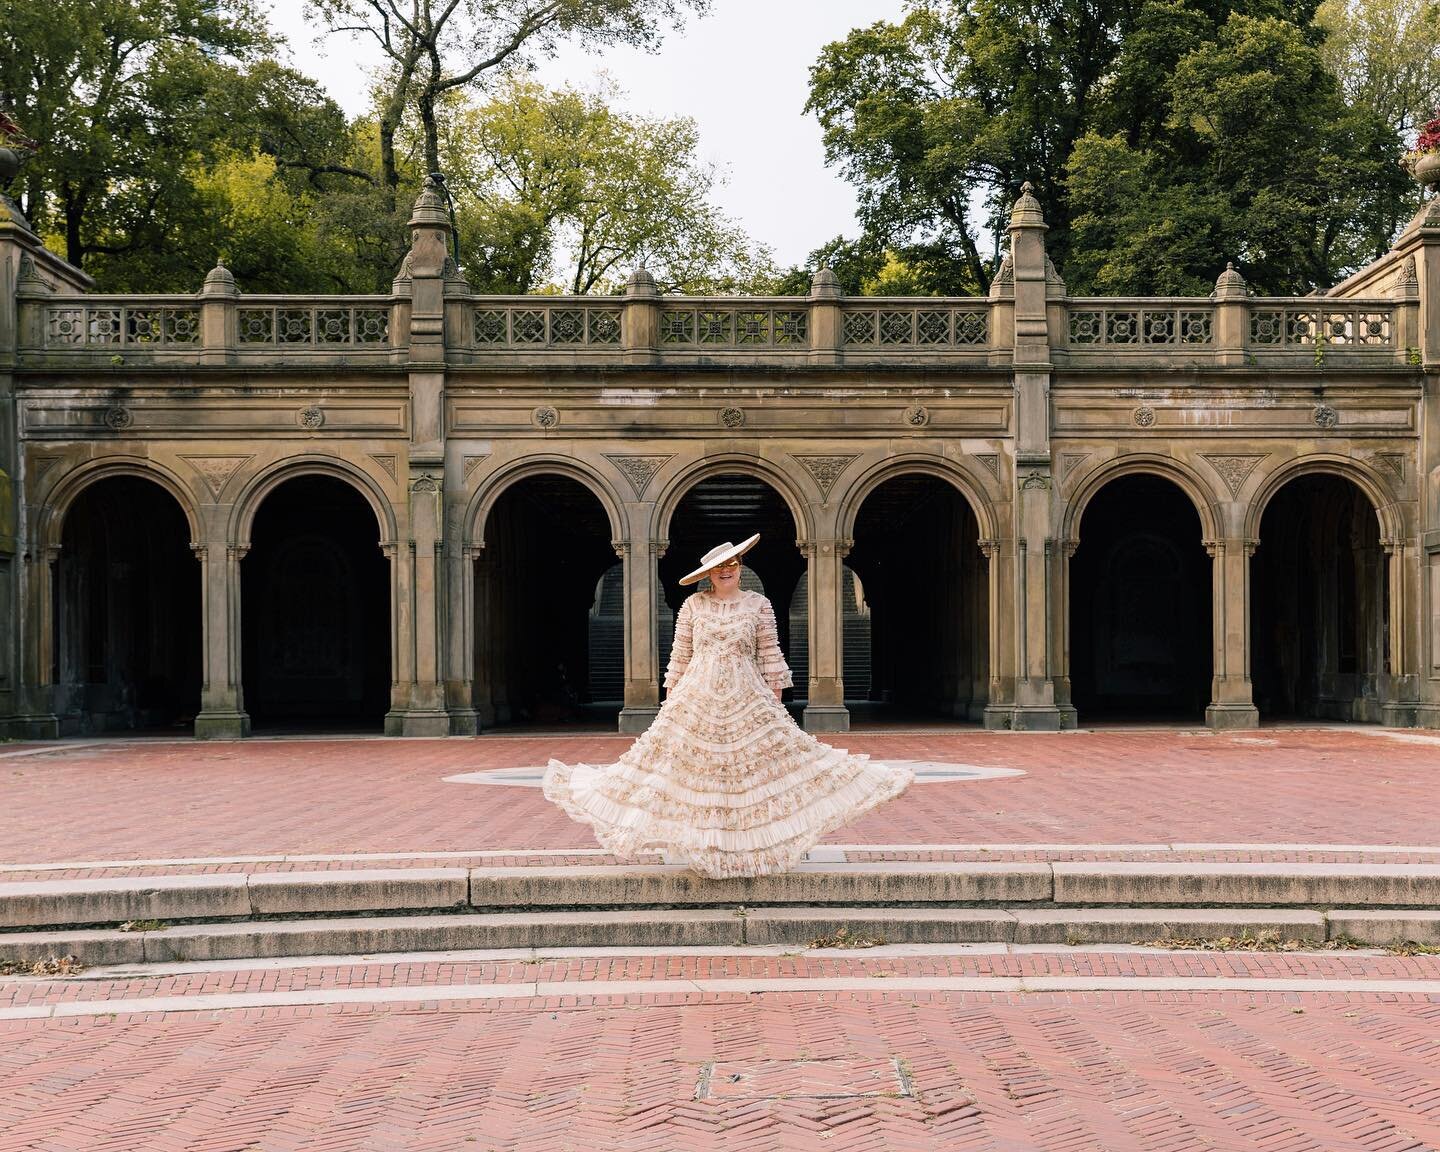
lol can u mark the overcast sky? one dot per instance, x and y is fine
(741, 73)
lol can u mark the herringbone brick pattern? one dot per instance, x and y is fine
(1357, 966)
(997, 1072)
(143, 800)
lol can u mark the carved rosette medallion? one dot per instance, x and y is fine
(1234, 470)
(1143, 416)
(638, 469)
(1325, 416)
(312, 418)
(825, 470)
(917, 416)
(732, 418)
(545, 417)
(119, 418)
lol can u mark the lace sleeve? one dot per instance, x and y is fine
(680, 649)
(767, 650)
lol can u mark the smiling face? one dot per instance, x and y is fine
(726, 577)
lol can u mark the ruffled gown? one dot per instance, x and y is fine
(723, 776)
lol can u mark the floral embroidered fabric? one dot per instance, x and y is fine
(723, 776)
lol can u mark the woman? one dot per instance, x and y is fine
(723, 776)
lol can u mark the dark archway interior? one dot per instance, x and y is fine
(1140, 605)
(923, 578)
(550, 642)
(315, 610)
(732, 507)
(1319, 604)
(128, 631)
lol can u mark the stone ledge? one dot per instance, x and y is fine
(1407, 885)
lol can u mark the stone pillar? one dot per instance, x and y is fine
(1064, 691)
(425, 713)
(999, 698)
(461, 637)
(1232, 317)
(222, 713)
(482, 692)
(35, 718)
(1232, 701)
(827, 336)
(640, 329)
(641, 575)
(1399, 705)
(825, 709)
(1036, 282)
(217, 315)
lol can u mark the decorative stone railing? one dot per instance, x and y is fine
(226, 326)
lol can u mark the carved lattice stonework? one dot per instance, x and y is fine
(1325, 416)
(991, 463)
(639, 470)
(826, 470)
(545, 417)
(1234, 470)
(469, 463)
(312, 418)
(216, 470)
(1144, 417)
(917, 416)
(732, 417)
(387, 463)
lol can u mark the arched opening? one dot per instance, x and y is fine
(1319, 604)
(732, 506)
(855, 641)
(315, 610)
(550, 610)
(922, 583)
(127, 621)
(1140, 605)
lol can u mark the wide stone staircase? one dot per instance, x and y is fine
(189, 917)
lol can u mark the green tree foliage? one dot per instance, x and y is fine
(1386, 54)
(1163, 137)
(560, 191)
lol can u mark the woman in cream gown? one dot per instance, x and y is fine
(723, 776)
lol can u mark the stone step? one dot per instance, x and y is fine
(104, 902)
(796, 927)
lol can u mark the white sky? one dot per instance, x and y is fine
(742, 73)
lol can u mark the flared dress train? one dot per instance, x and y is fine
(724, 776)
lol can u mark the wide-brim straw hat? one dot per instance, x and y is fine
(718, 555)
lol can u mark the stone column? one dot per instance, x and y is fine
(36, 719)
(1402, 698)
(825, 709)
(999, 697)
(641, 576)
(222, 713)
(461, 636)
(1232, 701)
(1064, 690)
(425, 713)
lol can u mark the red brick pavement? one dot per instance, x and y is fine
(1041, 1073)
(440, 972)
(148, 800)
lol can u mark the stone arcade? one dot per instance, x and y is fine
(444, 511)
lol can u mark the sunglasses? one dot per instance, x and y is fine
(734, 562)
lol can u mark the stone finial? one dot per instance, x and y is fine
(219, 281)
(641, 283)
(1002, 287)
(429, 210)
(1229, 285)
(1026, 213)
(1054, 283)
(824, 285)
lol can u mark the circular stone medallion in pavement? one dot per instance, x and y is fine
(926, 772)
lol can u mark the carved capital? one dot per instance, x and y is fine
(236, 551)
(622, 548)
(991, 548)
(202, 551)
(658, 548)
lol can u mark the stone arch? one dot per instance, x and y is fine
(1387, 512)
(911, 464)
(482, 501)
(259, 486)
(62, 495)
(787, 484)
(1201, 494)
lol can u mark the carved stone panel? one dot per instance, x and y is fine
(638, 469)
(1234, 470)
(216, 470)
(825, 470)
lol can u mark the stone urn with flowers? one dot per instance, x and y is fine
(1424, 159)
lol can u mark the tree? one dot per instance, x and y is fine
(434, 48)
(1386, 55)
(553, 184)
(1130, 117)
